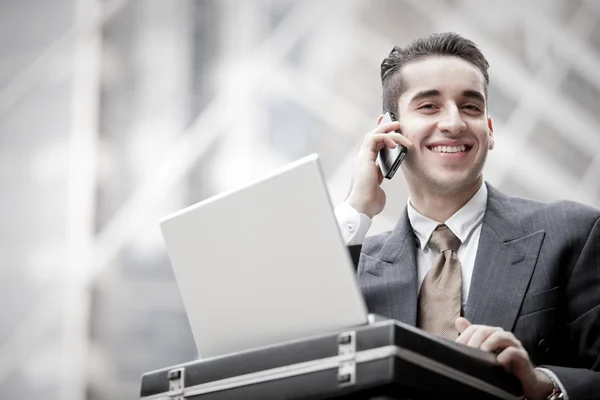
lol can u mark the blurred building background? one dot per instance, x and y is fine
(114, 113)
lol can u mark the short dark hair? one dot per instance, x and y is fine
(437, 44)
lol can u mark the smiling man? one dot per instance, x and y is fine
(512, 276)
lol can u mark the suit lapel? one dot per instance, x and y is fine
(504, 264)
(389, 278)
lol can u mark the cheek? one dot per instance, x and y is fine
(481, 131)
(417, 130)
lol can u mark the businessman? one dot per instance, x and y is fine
(516, 277)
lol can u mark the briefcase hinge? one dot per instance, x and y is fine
(176, 383)
(347, 364)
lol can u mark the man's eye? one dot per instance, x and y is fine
(427, 107)
(472, 107)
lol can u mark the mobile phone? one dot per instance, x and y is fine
(390, 159)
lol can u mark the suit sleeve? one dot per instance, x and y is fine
(355, 254)
(582, 340)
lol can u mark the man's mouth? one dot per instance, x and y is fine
(461, 148)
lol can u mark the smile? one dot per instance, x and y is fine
(450, 149)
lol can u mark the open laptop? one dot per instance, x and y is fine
(264, 264)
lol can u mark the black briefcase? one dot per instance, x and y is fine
(385, 360)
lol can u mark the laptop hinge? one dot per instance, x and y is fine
(347, 364)
(176, 383)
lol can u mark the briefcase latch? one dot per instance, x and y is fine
(347, 365)
(176, 383)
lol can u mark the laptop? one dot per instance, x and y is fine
(264, 264)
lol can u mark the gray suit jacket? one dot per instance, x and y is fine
(537, 274)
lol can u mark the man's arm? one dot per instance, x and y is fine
(583, 310)
(582, 339)
(366, 198)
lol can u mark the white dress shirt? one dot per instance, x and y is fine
(465, 224)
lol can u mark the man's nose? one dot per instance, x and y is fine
(451, 121)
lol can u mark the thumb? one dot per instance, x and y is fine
(461, 324)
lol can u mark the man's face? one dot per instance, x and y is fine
(443, 113)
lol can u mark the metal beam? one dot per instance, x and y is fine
(36, 73)
(81, 205)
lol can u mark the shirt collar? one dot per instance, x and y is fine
(462, 223)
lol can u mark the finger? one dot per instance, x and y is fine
(387, 127)
(481, 335)
(464, 337)
(400, 139)
(498, 341)
(515, 360)
(472, 330)
(377, 141)
(371, 147)
(461, 324)
(373, 140)
(390, 142)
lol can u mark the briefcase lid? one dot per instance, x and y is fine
(382, 340)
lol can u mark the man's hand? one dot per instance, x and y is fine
(366, 195)
(510, 354)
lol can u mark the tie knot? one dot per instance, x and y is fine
(444, 239)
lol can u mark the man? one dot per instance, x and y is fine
(512, 276)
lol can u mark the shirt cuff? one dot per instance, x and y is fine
(553, 376)
(353, 225)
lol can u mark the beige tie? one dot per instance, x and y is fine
(440, 296)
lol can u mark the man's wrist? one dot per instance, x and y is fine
(546, 386)
(360, 206)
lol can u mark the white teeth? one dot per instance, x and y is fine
(449, 149)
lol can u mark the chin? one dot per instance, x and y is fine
(453, 181)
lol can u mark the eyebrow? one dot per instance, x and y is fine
(471, 94)
(423, 94)
(474, 94)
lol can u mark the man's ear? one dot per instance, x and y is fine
(491, 133)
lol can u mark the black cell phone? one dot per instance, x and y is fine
(389, 160)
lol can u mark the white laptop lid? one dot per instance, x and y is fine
(264, 264)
